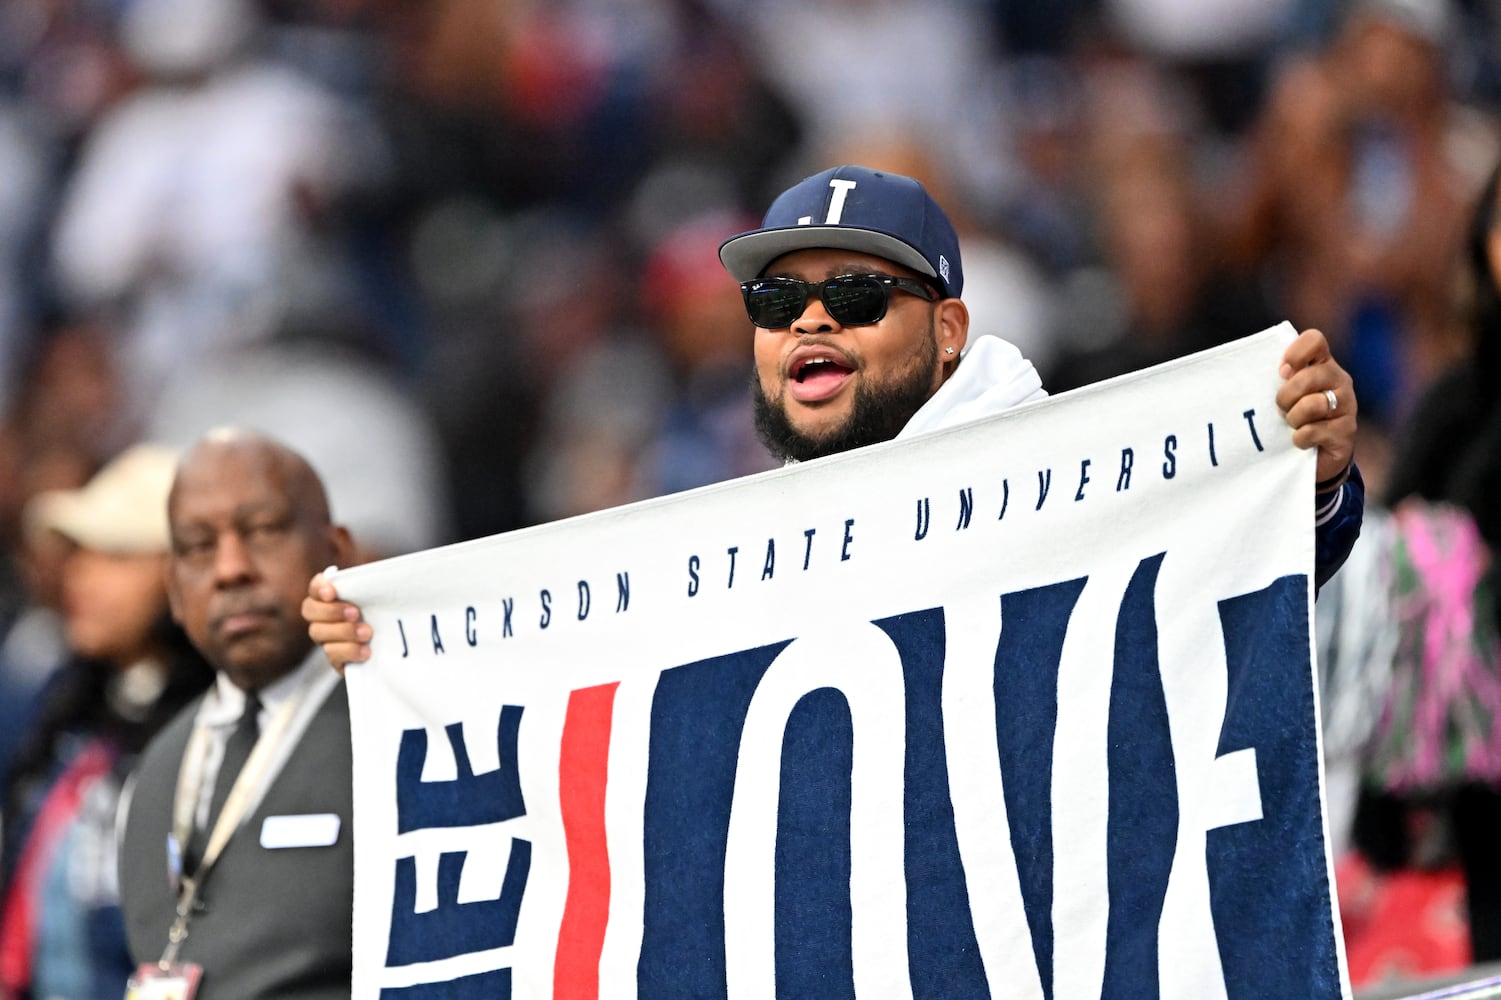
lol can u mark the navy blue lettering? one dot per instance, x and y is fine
(1169, 450)
(693, 565)
(546, 609)
(583, 599)
(686, 819)
(1027, 657)
(966, 507)
(844, 553)
(1142, 829)
(813, 925)
(469, 799)
(691, 786)
(808, 548)
(1083, 478)
(941, 944)
(924, 515)
(622, 592)
(1250, 416)
(509, 604)
(770, 566)
(470, 634)
(1044, 483)
(455, 928)
(437, 639)
(1271, 708)
(1123, 481)
(1213, 460)
(732, 550)
(1005, 497)
(401, 631)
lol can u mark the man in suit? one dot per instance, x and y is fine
(237, 837)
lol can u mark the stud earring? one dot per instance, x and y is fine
(948, 350)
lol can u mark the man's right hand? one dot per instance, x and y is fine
(335, 625)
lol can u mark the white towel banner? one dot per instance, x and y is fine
(1024, 708)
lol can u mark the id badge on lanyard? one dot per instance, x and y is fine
(164, 981)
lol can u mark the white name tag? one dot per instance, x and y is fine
(314, 830)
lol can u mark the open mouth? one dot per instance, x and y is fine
(815, 369)
(817, 377)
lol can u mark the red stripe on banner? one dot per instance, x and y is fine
(583, 764)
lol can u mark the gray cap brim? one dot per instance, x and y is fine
(746, 256)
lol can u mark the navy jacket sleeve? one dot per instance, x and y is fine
(1337, 518)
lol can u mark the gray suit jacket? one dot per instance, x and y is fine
(275, 923)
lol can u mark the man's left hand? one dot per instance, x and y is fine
(1317, 399)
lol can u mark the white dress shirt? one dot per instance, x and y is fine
(222, 707)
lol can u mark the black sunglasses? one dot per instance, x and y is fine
(851, 299)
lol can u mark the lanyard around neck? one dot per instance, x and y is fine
(249, 787)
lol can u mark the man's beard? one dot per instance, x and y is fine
(879, 412)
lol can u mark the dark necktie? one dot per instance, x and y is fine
(236, 751)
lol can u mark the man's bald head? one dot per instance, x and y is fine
(292, 473)
(250, 525)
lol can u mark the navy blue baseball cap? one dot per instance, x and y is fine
(853, 208)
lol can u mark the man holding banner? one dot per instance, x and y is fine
(835, 376)
(860, 329)
(1005, 696)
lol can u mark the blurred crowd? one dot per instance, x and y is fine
(461, 253)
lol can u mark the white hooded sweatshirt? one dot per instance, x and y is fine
(992, 377)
